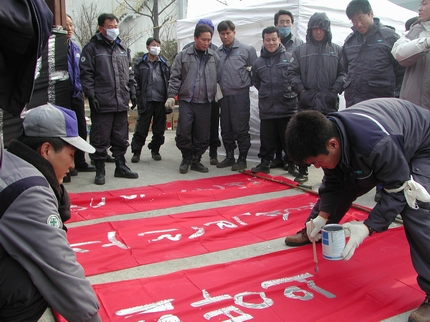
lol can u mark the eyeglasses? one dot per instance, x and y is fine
(360, 19)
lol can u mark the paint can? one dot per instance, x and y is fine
(333, 241)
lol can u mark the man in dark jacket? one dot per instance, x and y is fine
(316, 72)
(383, 140)
(277, 103)
(108, 82)
(152, 75)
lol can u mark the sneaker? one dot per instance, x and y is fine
(298, 239)
(156, 156)
(135, 158)
(301, 178)
(422, 313)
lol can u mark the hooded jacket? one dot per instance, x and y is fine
(371, 70)
(276, 99)
(106, 74)
(316, 70)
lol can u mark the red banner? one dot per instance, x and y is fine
(92, 205)
(377, 283)
(118, 245)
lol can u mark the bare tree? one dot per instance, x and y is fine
(86, 23)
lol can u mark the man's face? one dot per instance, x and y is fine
(203, 41)
(318, 34)
(363, 22)
(108, 24)
(284, 21)
(61, 161)
(227, 37)
(424, 11)
(329, 161)
(70, 27)
(271, 42)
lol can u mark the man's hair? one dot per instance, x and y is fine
(106, 16)
(201, 29)
(270, 30)
(69, 16)
(36, 142)
(357, 6)
(283, 12)
(226, 24)
(307, 135)
(151, 39)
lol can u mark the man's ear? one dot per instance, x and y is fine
(332, 143)
(44, 150)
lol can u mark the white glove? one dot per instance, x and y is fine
(170, 103)
(357, 232)
(314, 232)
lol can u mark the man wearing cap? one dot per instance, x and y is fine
(38, 267)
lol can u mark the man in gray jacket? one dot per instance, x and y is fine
(236, 60)
(108, 81)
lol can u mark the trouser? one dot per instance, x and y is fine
(235, 114)
(214, 140)
(156, 112)
(109, 130)
(79, 108)
(20, 300)
(192, 133)
(269, 130)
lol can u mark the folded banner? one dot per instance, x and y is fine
(112, 246)
(92, 205)
(377, 283)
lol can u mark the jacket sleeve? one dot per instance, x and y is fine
(407, 52)
(294, 75)
(137, 79)
(44, 252)
(131, 80)
(87, 69)
(340, 79)
(255, 77)
(399, 70)
(175, 76)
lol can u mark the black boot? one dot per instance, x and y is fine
(122, 171)
(213, 156)
(228, 161)
(292, 169)
(100, 172)
(241, 163)
(197, 166)
(264, 167)
(185, 163)
(303, 175)
(155, 153)
(136, 156)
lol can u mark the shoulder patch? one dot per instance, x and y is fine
(54, 221)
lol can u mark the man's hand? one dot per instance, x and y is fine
(133, 100)
(314, 232)
(170, 104)
(94, 103)
(357, 232)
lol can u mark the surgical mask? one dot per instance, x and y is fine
(154, 50)
(112, 34)
(284, 31)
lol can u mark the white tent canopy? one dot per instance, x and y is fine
(252, 18)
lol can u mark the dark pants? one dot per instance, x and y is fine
(235, 114)
(79, 108)
(20, 300)
(156, 112)
(192, 133)
(269, 130)
(109, 130)
(214, 141)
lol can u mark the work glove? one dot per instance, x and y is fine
(94, 103)
(133, 100)
(357, 232)
(170, 104)
(314, 232)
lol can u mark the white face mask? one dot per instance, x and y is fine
(112, 34)
(154, 50)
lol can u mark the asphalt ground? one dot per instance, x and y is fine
(167, 170)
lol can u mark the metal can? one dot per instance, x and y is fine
(333, 241)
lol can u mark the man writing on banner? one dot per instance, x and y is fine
(386, 141)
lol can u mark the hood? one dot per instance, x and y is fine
(319, 20)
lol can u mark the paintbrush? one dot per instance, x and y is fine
(314, 248)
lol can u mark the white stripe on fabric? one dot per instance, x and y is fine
(374, 121)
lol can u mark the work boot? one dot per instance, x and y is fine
(122, 171)
(197, 166)
(156, 155)
(422, 313)
(292, 169)
(185, 163)
(228, 161)
(303, 175)
(276, 163)
(264, 167)
(213, 156)
(298, 239)
(100, 172)
(136, 157)
(241, 163)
